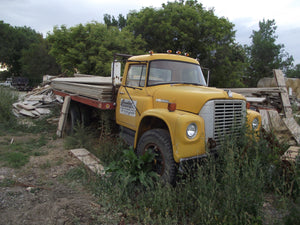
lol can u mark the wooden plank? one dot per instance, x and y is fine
(26, 107)
(294, 128)
(265, 119)
(89, 160)
(102, 93)
(85, 80)
(276, 122)
(27, 113)
(291, 154)
(43, 111)
(63, 116)
(284, 94)
(255, 99)
(256, 90)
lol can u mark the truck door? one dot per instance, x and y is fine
(132, 98)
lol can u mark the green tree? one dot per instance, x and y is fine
(294, 72)
(36, 62)
(188, 27)
(12, 41)
(264, 54)
(110, 20)
(90, 48)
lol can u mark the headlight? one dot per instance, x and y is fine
(191, 131)
(255, 124)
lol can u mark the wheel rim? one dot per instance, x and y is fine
(158, 164)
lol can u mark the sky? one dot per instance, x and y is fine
(43, 15)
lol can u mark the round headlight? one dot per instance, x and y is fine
(191, 131)
(255, 124)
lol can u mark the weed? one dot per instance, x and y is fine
(7, 98)
(15, 159)
(132, 170)
(227, 189)
(109, 149)
(81, 138)
(17, 154)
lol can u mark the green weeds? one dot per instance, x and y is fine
(227, 189)
(7, 98)
(17, 153)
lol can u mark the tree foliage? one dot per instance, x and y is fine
(188, 27)
(25, 52)
(90, 48)
(12, 41)
(294, 72)
(264, 54)
(112, 21)
(36, 62)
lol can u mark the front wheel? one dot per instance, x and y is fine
(158, 141)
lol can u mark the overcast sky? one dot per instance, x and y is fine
(43, 15)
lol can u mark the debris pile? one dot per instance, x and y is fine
(274, 104)
(268, 94)
(36, 103)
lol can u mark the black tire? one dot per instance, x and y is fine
(73, 119)
(86, 114)
(159, 142)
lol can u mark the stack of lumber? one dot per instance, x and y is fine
(96, 87)
(262, 97)
(271, 120)
(292, 84)
(36, 103)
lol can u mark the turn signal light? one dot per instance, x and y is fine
(187, 54)
(169, 51)
(171, 107)
(151, 52)
(248, 105)
(178, 52)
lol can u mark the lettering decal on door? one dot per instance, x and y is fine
(127, 107)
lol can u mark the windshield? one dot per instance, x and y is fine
(175, 72)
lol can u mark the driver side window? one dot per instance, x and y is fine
(136, 75)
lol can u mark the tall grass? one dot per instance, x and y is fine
(7, 98)
(227, 189)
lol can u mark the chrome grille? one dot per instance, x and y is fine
(223, 118)
(228, 118)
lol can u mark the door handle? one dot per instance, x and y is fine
(122, 93)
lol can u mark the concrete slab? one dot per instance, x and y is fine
(89, 160)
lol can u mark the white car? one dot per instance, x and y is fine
(6, 84)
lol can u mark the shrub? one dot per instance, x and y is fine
(7, 98)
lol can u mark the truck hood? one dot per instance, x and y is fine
(189, 98)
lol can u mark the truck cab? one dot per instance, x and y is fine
(164, 106)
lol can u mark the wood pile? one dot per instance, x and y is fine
(96, 87)
(36, 103)
(269, 101)
(262, 97)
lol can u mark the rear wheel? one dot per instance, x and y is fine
(73, 119)
(158, 142)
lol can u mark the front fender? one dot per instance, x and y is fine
(251, 115)
(177, 123)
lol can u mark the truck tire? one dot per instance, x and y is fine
(86, 114)
(159, 142)
(73, 118)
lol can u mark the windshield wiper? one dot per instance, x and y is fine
(126, 86)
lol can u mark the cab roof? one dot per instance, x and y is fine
(163, 56)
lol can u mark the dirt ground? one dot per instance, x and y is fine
(41, 195)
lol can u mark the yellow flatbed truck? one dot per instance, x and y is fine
(163, 105)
